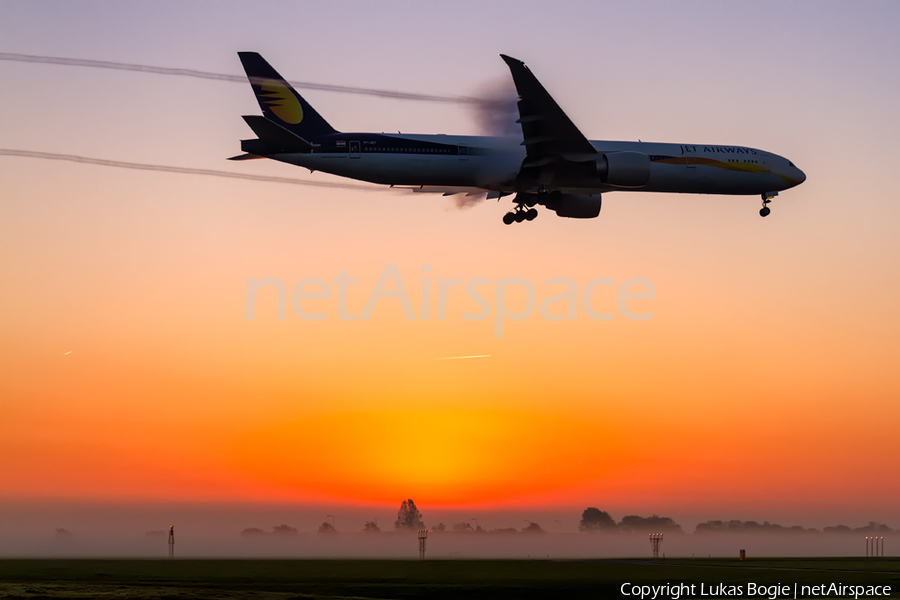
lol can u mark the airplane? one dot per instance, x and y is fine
(552, 164)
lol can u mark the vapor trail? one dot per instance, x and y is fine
(183, 170)
(344, 89)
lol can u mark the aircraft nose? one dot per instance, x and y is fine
(801, 177)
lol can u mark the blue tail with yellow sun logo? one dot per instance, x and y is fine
(280, 102)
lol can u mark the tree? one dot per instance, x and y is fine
(250, 531)
(533, 528)
(711, 526)
(408, 517)
(838, 529)
(748, 526)
(654, 523)
(284, 530)
(440, 528)
(462, 528)
(594, 519)
(371, 527)
(327, 528)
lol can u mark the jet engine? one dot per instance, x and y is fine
(574, 206)
(624, 169)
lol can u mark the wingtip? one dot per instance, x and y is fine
(509, 60)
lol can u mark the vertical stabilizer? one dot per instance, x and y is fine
(280, 102)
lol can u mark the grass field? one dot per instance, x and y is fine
(434, 579)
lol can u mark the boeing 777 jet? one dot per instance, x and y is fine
(551, 165)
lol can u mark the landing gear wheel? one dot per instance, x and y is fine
(522, 211)
(766, 198)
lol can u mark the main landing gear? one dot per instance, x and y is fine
(766, 198)
(519, 214)
(524, 210)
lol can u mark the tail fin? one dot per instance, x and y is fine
(280, 102)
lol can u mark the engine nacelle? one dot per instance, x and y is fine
(624, 169)
(574, 206)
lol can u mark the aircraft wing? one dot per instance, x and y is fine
(549, 134)
(451, 190)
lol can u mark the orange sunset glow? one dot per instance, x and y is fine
(761, 384)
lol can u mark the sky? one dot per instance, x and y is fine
(763, 387)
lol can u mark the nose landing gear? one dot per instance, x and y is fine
(766, 198)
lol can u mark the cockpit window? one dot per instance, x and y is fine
(792, 164)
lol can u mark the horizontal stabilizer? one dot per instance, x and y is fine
(247, 156)
(275, 136)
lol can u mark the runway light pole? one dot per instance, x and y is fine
(655, 540)
(874, 546)
(423, 535)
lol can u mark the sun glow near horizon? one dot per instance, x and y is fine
(440, 456)
(764, 382)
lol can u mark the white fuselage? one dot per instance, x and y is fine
(493, 163)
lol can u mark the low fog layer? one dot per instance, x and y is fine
(279, 531)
